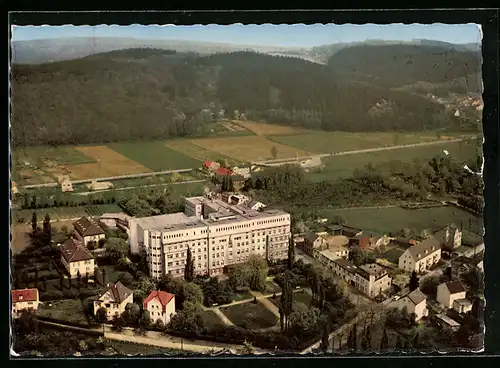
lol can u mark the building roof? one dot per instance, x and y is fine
(73, 250)
(430, 245)
(208, 163)
(454, 287)
(371, 269)
(337, 240)
(119, 292)
(416, 296)
(330, 254)
(344, 263)
(223, 171)
(463, 302)
(448, 320)
(311, 237)
(162, 296)
(24, 295)
(87, 227)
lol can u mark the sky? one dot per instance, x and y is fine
(298, 35)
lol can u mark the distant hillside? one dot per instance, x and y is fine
(398, 65)
(153, 94)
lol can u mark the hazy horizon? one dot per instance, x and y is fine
(296, 36)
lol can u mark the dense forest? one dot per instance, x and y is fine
(142, 94)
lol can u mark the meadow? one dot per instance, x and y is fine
(394, 219)
(344, 166)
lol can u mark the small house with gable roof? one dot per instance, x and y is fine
(76, 258)
(160, 305)
(87, 229)
(421, 256)
(114, 299)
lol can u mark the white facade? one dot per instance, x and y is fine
(91, 238)
(446, 298)
(156, 311)
(112, 308)
(418, 306)
(217, 233)
(26, 299)
(86, 268)
(419, 262)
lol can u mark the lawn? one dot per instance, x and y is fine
(242, 295)
(155, 156)
(187, 189)
(394, 219)
(188, 148)
(252, 316)
(51, 155)
(211, 319)
(393, 255)
(69, 310)
(332, 142)
(300, 297)
(344, 166)
(265, 129)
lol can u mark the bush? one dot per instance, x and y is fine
(53, 295)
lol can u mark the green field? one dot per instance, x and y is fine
(344, 166)
(394, 219)
(393, 255)
(69, 310)
(58, 155)
(188, 189)
(58, 213)
(332, 142)
(154, 155)
(251, 316)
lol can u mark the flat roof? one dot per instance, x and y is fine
(162, 222)
(448, 320)
(329, 254)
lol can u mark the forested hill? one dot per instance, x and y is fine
(397, 65)
(153, 94)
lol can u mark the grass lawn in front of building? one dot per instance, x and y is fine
(252, 316)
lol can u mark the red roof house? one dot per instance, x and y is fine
(223, 171)
(208, 164)
(160, 305)
(24, 295)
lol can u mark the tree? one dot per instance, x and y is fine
(189, 267)
(430, 284)
(47, 228)
(118, 323)
(274, 152)
(399, 343)
(192, 293)
(116, 248)
(145, 319)
(254, 300)
(101, 315)
(26, 203)
(159, 325)
(416, 344)
(37, 277)
(61, 281)
(353, 338)
(325, 338)
(384, 341)
(82, 345)
(78, 279)
(33, 201)
(131, 313)
(286, 303)
(291, 253)
(258, 272)
(414, 281)
(448, 273)
(103, 277)
(44, 278)
(366, 342)
(33, 221)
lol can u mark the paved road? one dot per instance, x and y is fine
(143, 186)
(284, 161)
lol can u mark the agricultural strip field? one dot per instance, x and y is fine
(62, 213)
(249, 148)
(332, 142)
(268, 129)
(344, 166)
(108, 163)
(394, 219)
(249, 315)
(155, 155)
(186, 147)
(51, 156)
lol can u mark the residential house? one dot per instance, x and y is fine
(372, 279)
(368, 240)
(76, 258)
(327, 256)
(65, 183)
(243, 171)
(210, 166)
(24, 299)
(421, 256)
(87, 229)
(450, 237)
(222, 171)
(345, 270)
(414, 302)
(114, 299)
(336, 241)
(100, 185)
(477, 260)
(452, 294)
(312, 241)
(160, 305)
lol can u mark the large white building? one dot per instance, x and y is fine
(218, 233)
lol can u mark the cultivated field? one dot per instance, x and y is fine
(248, 148)
(193, 151)
(108, 163)
(344, 166)
(332, 142)
(268, 129)
(156, 156)
(394, 219)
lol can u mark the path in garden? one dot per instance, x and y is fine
(265, 302)
(223, 317)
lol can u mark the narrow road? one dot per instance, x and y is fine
(266, 303)
(143, 186)
(324, 155)
(223, 317)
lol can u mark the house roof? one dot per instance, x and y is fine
(162, 296)
(344, 263)
(430, 245)
(416, 297)
(87, 227)
(454, 287)
(73, 250)
(223, 171)
(208, 163)
(311, 237)
(24, 295)
(119, 292)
